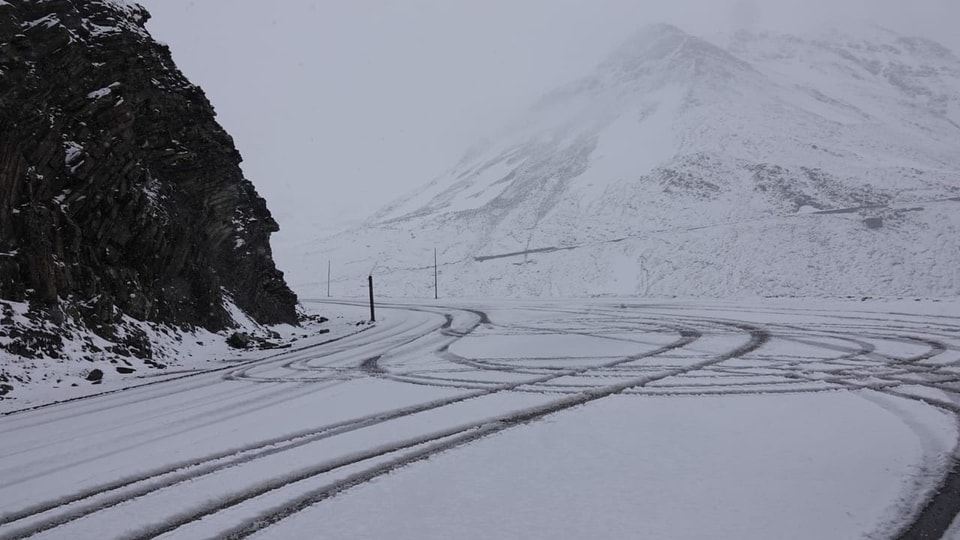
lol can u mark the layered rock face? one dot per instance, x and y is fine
(119, 192)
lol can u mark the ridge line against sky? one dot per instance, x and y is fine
(340, 107)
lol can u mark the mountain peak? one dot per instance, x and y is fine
(665, 46)
(657, 56)
(651, 41)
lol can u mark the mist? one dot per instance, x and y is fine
(339, 107)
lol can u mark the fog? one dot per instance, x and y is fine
(340, 106)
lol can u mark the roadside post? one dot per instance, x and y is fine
(373, 316)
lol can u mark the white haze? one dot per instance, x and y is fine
(340, 106)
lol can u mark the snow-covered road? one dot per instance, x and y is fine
(511, 419)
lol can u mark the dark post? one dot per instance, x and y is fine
(436, 283)
(373, 317)
(328, 278)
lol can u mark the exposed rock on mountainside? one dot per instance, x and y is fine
(759, 164)
(121, 198)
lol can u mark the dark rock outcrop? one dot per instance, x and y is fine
(119, 192)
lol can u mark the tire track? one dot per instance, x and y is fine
(233, 411)
(422, 328)
(457, 436)
(862, 358)
(940, 512)
(474, 384)
(202, 467)
(120, 392)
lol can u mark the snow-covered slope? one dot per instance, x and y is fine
(760, 165)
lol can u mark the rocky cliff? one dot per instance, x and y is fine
(120, 195)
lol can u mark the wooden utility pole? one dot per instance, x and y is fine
(373, 316)
(436, 280)
(328, 278)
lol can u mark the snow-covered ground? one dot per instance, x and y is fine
(520, 419)
(177, 353)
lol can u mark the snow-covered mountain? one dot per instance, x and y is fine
(756, 164)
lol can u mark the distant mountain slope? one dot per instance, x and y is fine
(770, 165)
(121, 198)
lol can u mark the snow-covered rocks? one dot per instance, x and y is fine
(122, 202)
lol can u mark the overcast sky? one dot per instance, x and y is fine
(340, 106)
